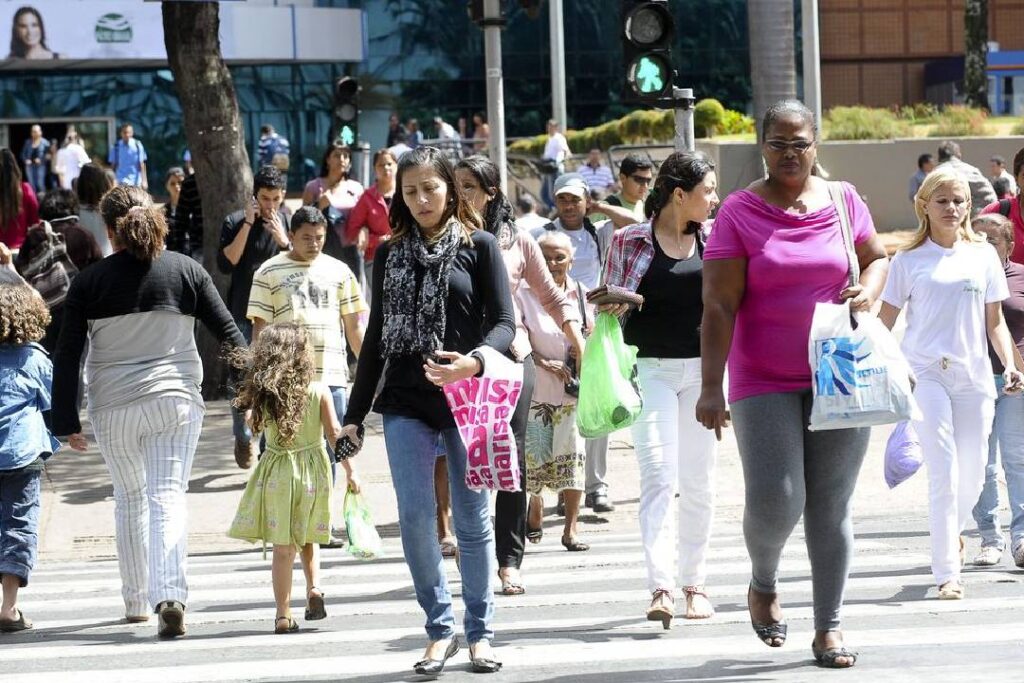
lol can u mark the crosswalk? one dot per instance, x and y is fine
(582, 619)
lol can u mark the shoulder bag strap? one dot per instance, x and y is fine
(838, 194)
(583, 307)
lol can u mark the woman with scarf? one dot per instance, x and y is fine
(440, 291)
(479, 182)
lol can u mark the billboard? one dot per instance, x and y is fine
(61, 33)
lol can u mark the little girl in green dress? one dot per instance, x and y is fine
(287, 501)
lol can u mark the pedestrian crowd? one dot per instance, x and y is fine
(428, 279)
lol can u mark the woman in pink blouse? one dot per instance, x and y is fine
(555, 457)
(335, 193)
(479, 182)
(775, 251)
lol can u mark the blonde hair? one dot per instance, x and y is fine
(939, 178)
(278, 370)
(23, 315)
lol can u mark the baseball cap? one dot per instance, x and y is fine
(571, 183)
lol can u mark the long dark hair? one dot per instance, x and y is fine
(92, 183)
(401, 218)
(499, 209)
(18, 48)
(335, 145)
(10, 189)
(137, 225)
(684, 170)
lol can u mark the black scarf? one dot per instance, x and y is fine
(414, 307)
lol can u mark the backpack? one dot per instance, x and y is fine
(587, 225)
(50, 269)
(1004, 207)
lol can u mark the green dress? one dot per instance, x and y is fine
(288, 498)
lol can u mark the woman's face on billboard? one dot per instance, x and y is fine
(28, 29)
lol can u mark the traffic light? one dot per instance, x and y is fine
(648, 30)
(346, 110)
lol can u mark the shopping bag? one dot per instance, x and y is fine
(859, 375)
(610, 396)
(363, 540)
(903, 454)
(482, 408)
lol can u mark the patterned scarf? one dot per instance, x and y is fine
(414, 316)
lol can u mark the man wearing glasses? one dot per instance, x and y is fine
(626, 207)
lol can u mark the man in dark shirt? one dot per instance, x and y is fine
(249, 237)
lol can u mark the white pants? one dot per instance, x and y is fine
(148, 448)
(674, 452)
(957, 419)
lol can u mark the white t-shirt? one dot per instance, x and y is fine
(70, 160)
(945, 292)
(531, 221)
(586, 264)
(556, 148)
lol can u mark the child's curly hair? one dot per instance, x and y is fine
(23, 315)
(278, 368)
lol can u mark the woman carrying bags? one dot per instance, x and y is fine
(440, 291)
(662, 260)
(951, 282)
(776, 250)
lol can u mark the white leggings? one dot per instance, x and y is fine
(148, 448)
(957, 418)
(675, 452)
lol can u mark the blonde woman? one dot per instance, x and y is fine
(951, 282)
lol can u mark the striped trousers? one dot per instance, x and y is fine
(148, 448)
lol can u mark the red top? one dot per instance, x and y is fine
(371, 211)
(13, 234)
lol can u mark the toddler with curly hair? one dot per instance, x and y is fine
(287, 500)
(25, 442)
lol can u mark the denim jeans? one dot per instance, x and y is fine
(239, 428)
(37, 176)
(19, 521)
(412, 448)
(1008, 439)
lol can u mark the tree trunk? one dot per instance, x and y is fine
(976, 53)
(772, 53)
(214, 133)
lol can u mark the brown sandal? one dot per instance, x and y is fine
(289, 625)
(691, 592)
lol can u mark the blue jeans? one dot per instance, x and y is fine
(37, 176)
(1008, 438)
(412, 447)
(19, 521)
(239, 428)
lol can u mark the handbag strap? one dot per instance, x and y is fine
(583, 307)
(835, 189)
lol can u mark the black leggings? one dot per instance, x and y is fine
(510, 506)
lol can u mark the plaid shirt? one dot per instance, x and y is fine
(631, 254)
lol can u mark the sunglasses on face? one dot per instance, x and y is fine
(798, 146)
(641, 180)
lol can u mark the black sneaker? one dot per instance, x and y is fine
(170, 619)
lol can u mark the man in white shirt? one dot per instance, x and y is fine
(997, 170)
(528, 218)
(598, 176)
(70, 159)
(556, 150)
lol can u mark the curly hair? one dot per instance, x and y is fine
(23, 315)
(278, 370)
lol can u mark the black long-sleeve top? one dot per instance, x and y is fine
(478, 312)
(140, 320)
(259, 247)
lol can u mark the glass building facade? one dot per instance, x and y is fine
(425, 58)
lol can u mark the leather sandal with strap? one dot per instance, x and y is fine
(692, 592)
(662, 608)
(827, 658)
(315, 607)
(285, 625)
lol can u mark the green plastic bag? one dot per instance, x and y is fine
(363, 540)
(609, 392)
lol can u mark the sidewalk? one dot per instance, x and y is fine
(77, 520)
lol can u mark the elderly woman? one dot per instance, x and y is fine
(138, 309)
(440, 291)
(1007, 434)
(777, 250)
(554, 448)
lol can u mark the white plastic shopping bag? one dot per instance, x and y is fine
(859, 375)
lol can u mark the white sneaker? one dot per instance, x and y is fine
(988, 556)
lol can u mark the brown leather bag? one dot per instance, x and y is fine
(611, 294)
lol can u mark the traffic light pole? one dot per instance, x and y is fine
(492, 25)
(556, 29)
(682, 99)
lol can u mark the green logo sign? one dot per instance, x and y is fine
(346, 136)
(113, 28)
(650, 75)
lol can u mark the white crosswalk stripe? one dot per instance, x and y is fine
(582, 612)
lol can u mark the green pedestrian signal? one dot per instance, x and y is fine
(346, 136)
(648, 31)
(650, 75)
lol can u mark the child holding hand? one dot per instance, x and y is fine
(287, 500)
